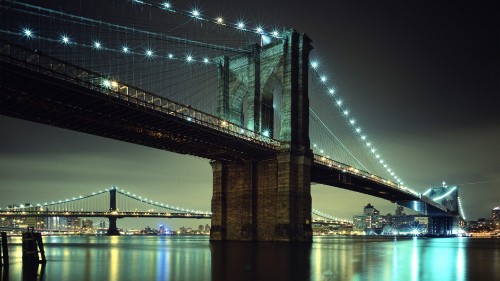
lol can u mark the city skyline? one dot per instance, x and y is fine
(423, 76)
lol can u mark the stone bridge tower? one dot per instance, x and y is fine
(266, 199)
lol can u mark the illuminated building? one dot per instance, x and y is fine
(370, 222)
(495, 214)
(87, 224)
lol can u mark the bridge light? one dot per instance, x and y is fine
(314, 64)
(106, 83)
(331, 91)
(358, 130)
(195, 13)
(189, 58)
(363, 137)
(352, 121)
(240, 25)
(65, 39)
(373, 150)
(346, 112)
(377, 156)
(149, 53)
(219, 20)
(97, 45)
(166, 5)
(259, 30)
(266, 133)
(275, 33)
(170, 56)
(323, 78)
(125, 49)
(381, 161)
(339, 102)
(206, 60)
(28, 33)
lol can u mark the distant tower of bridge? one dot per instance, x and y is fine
(447, 196)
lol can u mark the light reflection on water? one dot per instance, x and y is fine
(195, 258)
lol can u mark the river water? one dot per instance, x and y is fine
(195, 258)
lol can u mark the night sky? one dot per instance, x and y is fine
(423, 76)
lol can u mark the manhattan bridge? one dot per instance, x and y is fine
(254, 101)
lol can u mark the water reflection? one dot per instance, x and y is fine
(195, 258)
(414, 260)
(33, 272)
(461, 261)
(260, 261)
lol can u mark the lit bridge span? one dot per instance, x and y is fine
(177, 127)
(270, 132)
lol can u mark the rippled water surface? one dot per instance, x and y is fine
(195, 258)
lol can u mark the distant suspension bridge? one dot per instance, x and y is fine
(115, 203)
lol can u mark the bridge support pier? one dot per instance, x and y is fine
(266, 200)
(112, 229)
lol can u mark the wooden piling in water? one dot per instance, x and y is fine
(4, 254)
(32, 245)
(39, 242)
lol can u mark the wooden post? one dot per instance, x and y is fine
(30, 254)
(4, 254)
(32, 243)
(39, 242)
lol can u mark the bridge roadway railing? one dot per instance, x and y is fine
(36, 61)
(360, 173)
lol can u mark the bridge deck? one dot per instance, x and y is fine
(333, 176)
(36, 92)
